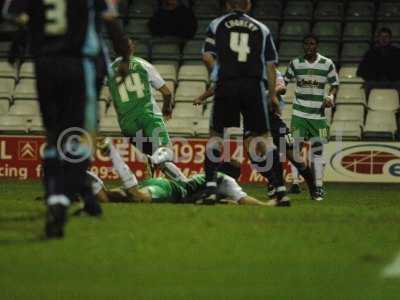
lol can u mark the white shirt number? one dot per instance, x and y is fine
(239, 43)
(56, 19)
(132, 83)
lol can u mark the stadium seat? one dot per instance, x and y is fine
(290, 93)
(383, 100)
(273, 27)
(189, 90)
(4, 106)
(171, 86)
(24, 108)
(4, 48)
(142, 9)
(270, 10)
(180, 126)
(298, 10)
(7, 71)
(206, 9)
(6, 88)
(351, 94)
(102, 108)
(330, 50)
(166, 51)
(192, 50)
(25, 89)
(353, 52)
(289, 50)
(27, 70)
(138, 29)
(186, 110)
(193, 72)
(287, 112)
(13, 123)
(111, 112)
(167, 71)
(142, 50)
(202, 127)
(35, 125)
(328, 31)
(357, 31)
(109, 125)
(380, 125)
(294, 30)
(328, 11)
(202, 26)
(389, 11)
(105, 95)
(348, 74)
(360, 11)
(345, 130)
(350, 113)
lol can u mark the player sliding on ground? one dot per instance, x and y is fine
(162, 190)
(138, 112)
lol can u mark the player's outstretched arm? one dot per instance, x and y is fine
(203, 97)
(168, 104)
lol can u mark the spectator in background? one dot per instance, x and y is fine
(173, 19)
(380, 64)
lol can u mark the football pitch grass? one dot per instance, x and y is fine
(337, 249)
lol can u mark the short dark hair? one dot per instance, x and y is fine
(310, 36)
(385, 30)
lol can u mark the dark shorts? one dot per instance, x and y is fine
(280, 132)
(237, 97)
(67, 89)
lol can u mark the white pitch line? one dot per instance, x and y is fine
(392, 270)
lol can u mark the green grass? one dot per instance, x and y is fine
(331, 250)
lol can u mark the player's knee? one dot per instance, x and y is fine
(162, 155)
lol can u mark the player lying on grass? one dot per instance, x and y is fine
(162, 190)
(280, 132)
(139, 116)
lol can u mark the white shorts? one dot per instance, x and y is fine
(229, 188)
(96, 183)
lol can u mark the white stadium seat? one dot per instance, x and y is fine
(290, 93)
(109, 125)
(349, 113)
(167, 71)
(348, 74)
(345, 130)
(111, 112)
(102, 108)
(26, 89)
(189, 90)
(4, 106)
(7, 71)
(351, 94)
(180, 126)
(25, 108)
(36, 125)
(105, 94)
(13, 123)
(6, 88)
(380, 124)
(383, 99)
(193, 72)
(186, 110)
(27, 70)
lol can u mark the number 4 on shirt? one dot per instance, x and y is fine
(239, 43)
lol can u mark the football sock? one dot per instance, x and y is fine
(163, 157)
(211, 164)
(172, 171)
(128, 179)
(319, 166)
(295, 174)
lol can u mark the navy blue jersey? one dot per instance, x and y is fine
(242, 46)
(63, 27)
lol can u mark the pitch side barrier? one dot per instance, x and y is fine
(21, 158)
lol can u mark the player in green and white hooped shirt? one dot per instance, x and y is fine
(311, 73)
(137, 110)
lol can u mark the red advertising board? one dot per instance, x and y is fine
(21, 158)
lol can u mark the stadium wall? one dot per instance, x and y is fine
(20, 158)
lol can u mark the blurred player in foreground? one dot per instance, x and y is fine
(163, 190)
(139, 116)
(283, 140)
(70, 66)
